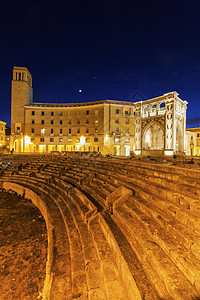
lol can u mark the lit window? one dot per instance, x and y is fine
(127, 140)
(96, 130)
(42, 130)
(87, 140)
(77, 140)
(96, 121)
(60, 139)
(69, 140)
(18, 129)
(116, 140)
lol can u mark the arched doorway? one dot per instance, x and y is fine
(153, 138)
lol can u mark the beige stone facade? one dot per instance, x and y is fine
(193, 141)
(2, 133)
(108, 126)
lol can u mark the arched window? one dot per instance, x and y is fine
(153, 137)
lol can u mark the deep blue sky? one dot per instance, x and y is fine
(106, 48)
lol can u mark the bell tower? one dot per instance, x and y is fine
(21, 95)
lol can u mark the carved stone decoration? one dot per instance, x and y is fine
(169, 127)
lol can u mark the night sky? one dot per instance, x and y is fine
(81, 51)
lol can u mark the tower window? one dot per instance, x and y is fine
(33, 113)
(52, 113)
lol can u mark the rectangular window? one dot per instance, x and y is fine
(127, 140)
(87, 130)
(87, 140)
(61, 131)
(87, 112)
(51, 131)
(96, 121)
(96, 130)
(51, 140)
(69, 140)
(197, 134)
(32, 121)
(69, 131)
(69, 122)
(95, 139)
(52, 122)
(18, 129)
(52, 113)
(42, 113)
(77, 140)
(117, 111)
(117, 121)
(61, 114)
(42, 130)
(78, 130)
(32, 130)
(42, 121)
(60, 139)
(61, 122)
(33, 113)
(42, 140)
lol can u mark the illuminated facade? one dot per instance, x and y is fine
(155, 126)
(2, 133)
(193, 141)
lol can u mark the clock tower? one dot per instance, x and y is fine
(21, 95)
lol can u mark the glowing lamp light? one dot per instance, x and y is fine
(82, 140)
(27, 140)
(137, 152)
(169, 153)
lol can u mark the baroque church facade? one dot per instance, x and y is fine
(152, 127)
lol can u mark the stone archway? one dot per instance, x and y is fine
(153, 137)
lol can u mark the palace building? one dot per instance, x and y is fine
(2, 133)
(156, 126)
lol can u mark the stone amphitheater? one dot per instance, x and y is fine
(117, 229)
